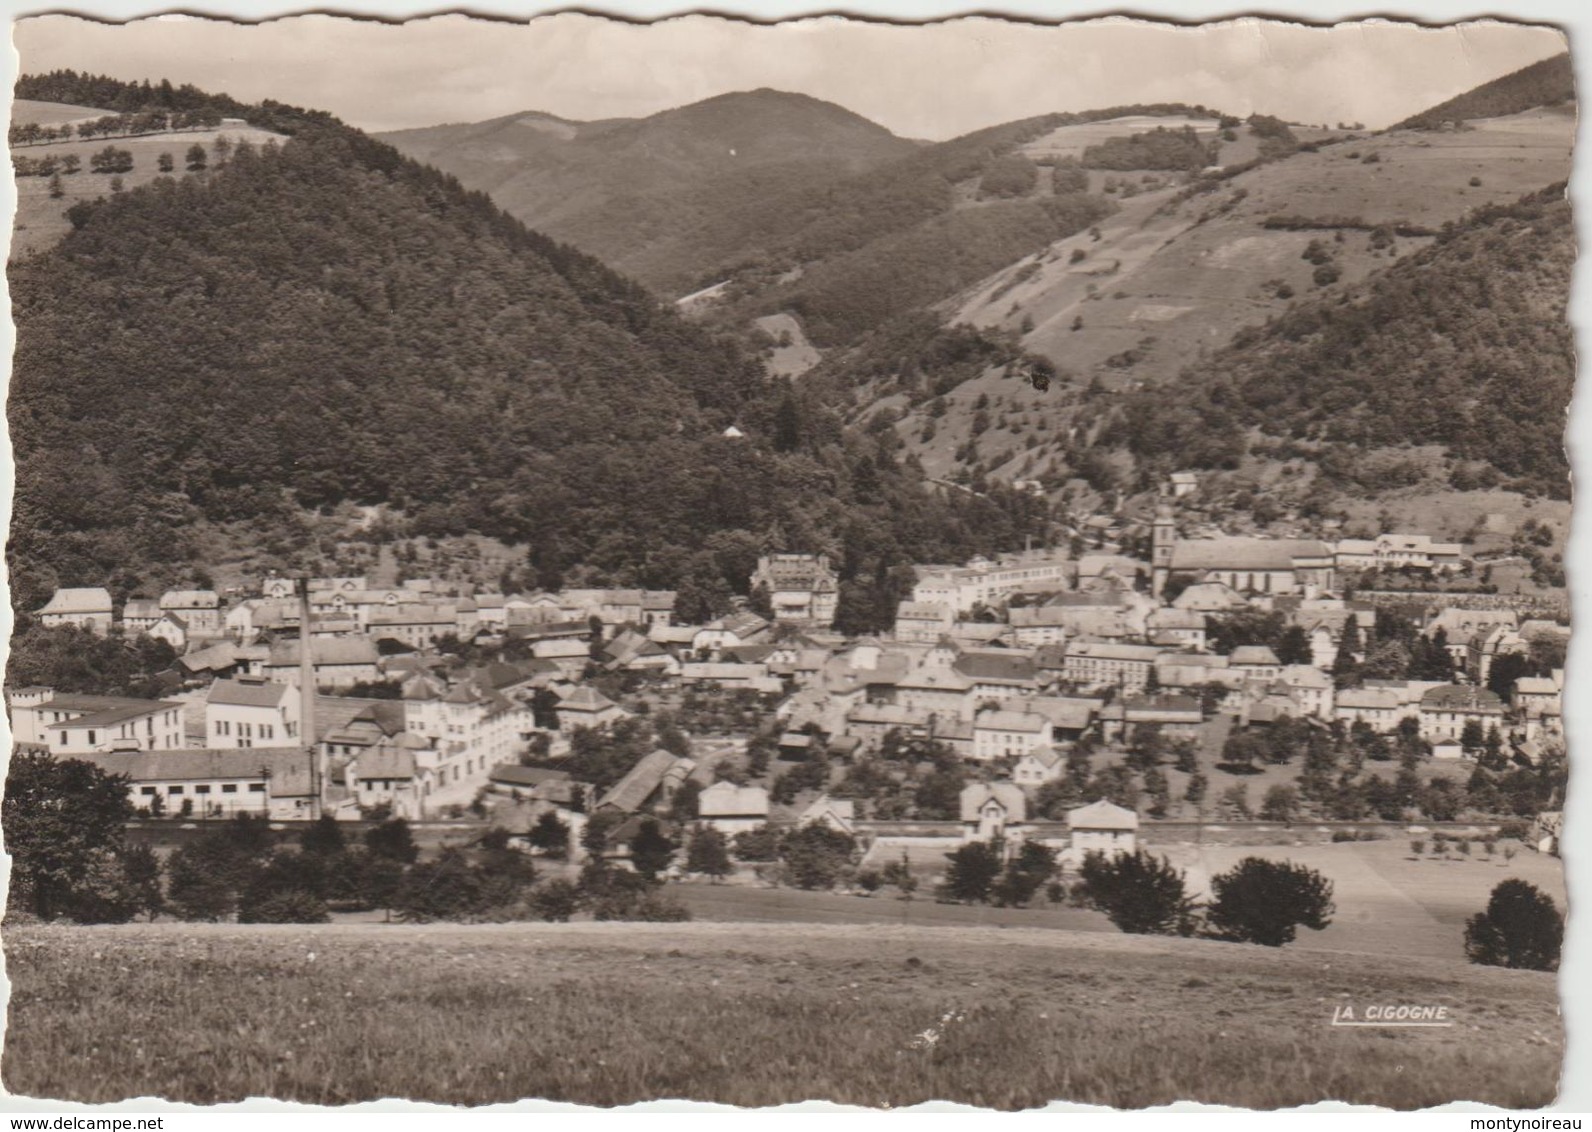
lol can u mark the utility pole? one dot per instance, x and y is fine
(307, 699)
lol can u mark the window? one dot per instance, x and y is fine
(223, 727)
(256, 788)
(91, 737)
(204, 789)
(229, 787)
(146, 790)
(174, 789)
(266, 731)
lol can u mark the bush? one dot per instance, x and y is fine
(1417, 847)
(1521, 928)
(756, 845)
(556, 900)
(815, 856)
(1140, 894)
(1263, 901)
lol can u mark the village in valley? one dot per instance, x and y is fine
(1248, 690)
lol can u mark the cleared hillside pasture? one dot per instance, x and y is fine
(794, 355)
(41, 219)
(28, 112)
(610, 1014)
(1145, 292)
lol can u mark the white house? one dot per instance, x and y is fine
(87, 607)
(79, 724)
(993, 810)
(1102, 827)
(733, 809)
(1004, 734)
(251, 712)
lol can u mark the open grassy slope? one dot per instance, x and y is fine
(41, 219)
(750, 1014)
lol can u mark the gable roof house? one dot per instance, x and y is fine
(733, 809)
(1102, 827)
(88, 607)
(652, 782)
(991, 810)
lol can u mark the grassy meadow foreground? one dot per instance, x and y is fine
(751, 1014)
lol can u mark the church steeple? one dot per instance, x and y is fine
(1162, 536)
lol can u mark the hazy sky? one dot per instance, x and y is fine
(930, 81)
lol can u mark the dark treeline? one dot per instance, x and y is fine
(1548, 82)
(325, 321)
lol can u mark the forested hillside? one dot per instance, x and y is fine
(663, 198)
(1549, 82)
(326, 321)
(1465, 344)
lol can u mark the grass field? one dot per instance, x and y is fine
(41, 220)
(750, 1014)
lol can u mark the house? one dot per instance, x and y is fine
(251, 711)
(1070, 717)
(275, 781)
(1378, 708)
(1005, 734)
(1178, 628)
(733, 809)
(386, 774)
(1545, 832)
(416, 624)
(1176, 717)
(993, 811)
(1313, 688)
(839, 814)
(1446, 749)
(652, 781)
(744, 628)
(200, 610)
(990, 582)
(1184, 483)
(1398, 552)
(139, 615)
(1102, 827)
(1104, 664)
(1257, 662)
(801, 588)
(70, 724)
(1039, 766)
(1209, 597)
(87, 608)
(923, 621)
(1446, 709)
(1536, 696)
(339, 662)
(998, 674)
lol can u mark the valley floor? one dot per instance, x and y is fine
(751, 1014)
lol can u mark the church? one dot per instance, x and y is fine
(1303, 567)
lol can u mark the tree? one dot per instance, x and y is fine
(1026, 873)
(143, 872)
(1293, 647)
(1140, 894)
(59, 819)
(111, 160)
(709, 853)
(197, 158)
(1281, 804)
(448, 888)
(1522, 928)
(556, 900)
(651, 850)
(1264, 901)
(324, 837)
(1473, 738)
(57, 190)
(1346, 665)
(393, 841)
(816, 856)
(970, 879)
(899, 875)
(550, 834)
(165, 163)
